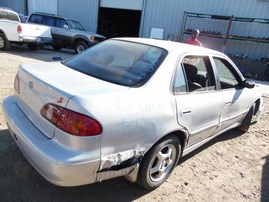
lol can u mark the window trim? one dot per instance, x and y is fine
(233, 68)
(209, 68)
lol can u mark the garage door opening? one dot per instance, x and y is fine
(119, 22)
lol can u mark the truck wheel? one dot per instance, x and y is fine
(57, 46)
(80, 46)
(159, 162)
(33, 46)
(4, 43)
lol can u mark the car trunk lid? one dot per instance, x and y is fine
(55, 84)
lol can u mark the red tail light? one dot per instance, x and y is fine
(19, 29)
(70, 121)
(17, 84)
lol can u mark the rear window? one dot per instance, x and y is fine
(49, 21)
(120, 62)
(36, 19)
(13, 17)
(9, 16)
(4, 15)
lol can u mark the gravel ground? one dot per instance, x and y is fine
(232, 167)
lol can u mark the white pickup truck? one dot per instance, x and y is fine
(14, 30)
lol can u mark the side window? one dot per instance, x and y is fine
(61, 23)
(4, 15)
(36, 19)
(13, 17)
(227, 76)
(198, 74)
(179, 81)
(49, 21)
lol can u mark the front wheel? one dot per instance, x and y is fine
(33, 46)
(159, 162)
(80, 46)
(4, 42)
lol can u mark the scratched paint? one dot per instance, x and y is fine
(117, 158)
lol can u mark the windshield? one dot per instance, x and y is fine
(75, 25)
(120, 62)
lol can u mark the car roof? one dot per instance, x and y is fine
(49, 14)
(7, 9)
(171, 45)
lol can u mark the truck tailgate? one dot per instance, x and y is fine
(33, 30)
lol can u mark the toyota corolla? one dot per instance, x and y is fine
(126, 107)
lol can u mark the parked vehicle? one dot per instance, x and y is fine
(126, 107)
(14, 30)
(66, 33)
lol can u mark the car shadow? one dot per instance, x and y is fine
(234, 133)
(265, 181)
(46, 54)
(19, 181)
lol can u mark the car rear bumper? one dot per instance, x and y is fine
(36, 40)
(55, 163)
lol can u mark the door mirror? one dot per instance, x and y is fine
(248, 84)
(66, 27)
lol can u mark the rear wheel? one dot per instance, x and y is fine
(159, 162)
(80, 46)
(4, 43)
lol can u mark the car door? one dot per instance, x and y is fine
(236, 98)
(199, 108)
(62, 31)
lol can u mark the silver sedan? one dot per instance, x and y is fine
(126, 107)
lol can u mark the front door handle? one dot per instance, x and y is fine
(229, 102)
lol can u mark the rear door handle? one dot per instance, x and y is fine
(186, 111)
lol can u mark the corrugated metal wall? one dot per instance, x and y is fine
(168, 14)
(84, 11)
(16, 5)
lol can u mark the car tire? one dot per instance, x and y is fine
(4, 42)
(57, 46)
(80, 46)
(159, 162)
(247, 121)
(33, 46)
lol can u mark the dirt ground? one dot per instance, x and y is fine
(232, 167)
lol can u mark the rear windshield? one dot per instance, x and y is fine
(120, 62)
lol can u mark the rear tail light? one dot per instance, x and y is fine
(19, 29)
(70, 121)
(17, 84)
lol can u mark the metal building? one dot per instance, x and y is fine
(164, 19)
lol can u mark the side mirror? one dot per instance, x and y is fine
(66, 27)
(248, 84)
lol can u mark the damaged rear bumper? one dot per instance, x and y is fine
(55, 163)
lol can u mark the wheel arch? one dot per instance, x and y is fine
(79, 38)
(2, 32)
(181, 135)
(257, 106)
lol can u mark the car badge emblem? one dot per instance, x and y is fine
(31, 85)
